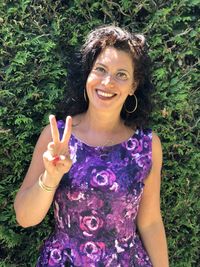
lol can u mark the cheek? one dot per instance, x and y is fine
(127, 88)
(91, 81)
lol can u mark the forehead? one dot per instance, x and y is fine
(112, 57)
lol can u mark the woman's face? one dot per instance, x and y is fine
(110, 80)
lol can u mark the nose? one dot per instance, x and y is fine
(108, 80)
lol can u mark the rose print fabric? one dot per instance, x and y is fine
(96, 205)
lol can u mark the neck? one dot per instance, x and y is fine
(99, 121)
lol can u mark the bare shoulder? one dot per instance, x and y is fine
(156, 139)
(156, 142)
(43, 140)
(156, 150)
(46, 133)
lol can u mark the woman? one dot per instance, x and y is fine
(103, 170)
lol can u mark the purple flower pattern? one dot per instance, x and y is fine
(96, 205)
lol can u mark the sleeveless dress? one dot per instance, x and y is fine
(96, 204)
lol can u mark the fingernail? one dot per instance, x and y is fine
(68, 117)
(62, 157)
(51, 116)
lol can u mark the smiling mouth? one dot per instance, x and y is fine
(105, 94)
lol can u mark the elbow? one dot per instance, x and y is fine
(21, 219)
(152, 227)
(18, 215)
(22, 223)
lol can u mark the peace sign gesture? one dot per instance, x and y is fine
(57, 159)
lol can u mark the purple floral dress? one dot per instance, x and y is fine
(96, 205)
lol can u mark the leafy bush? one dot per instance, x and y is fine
(36, 44)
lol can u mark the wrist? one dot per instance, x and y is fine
(46, 183)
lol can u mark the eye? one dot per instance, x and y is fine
(122, 76)
(100, 70)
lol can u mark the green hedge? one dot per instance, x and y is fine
(37, 39)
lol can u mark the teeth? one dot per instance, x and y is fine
(104, 94)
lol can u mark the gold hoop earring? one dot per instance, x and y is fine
(136, 104)
(85, 95)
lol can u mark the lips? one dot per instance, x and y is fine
(103, 94)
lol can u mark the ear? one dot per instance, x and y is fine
(133, 89)
(131, 92)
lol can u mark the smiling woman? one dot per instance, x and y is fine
(136, 50)
(101, 167)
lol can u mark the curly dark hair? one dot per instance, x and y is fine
(80, 67)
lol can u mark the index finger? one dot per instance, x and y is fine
(54, 129)
(67, 130)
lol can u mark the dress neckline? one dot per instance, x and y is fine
(136, 132)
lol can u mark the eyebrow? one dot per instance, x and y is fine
(97, 63)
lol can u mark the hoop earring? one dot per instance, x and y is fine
(136, 104)
(85, 96)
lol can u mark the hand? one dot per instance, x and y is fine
(57, 159)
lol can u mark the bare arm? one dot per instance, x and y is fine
(149, 220)
(32, 202)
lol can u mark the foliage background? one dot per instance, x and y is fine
(36, 42)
